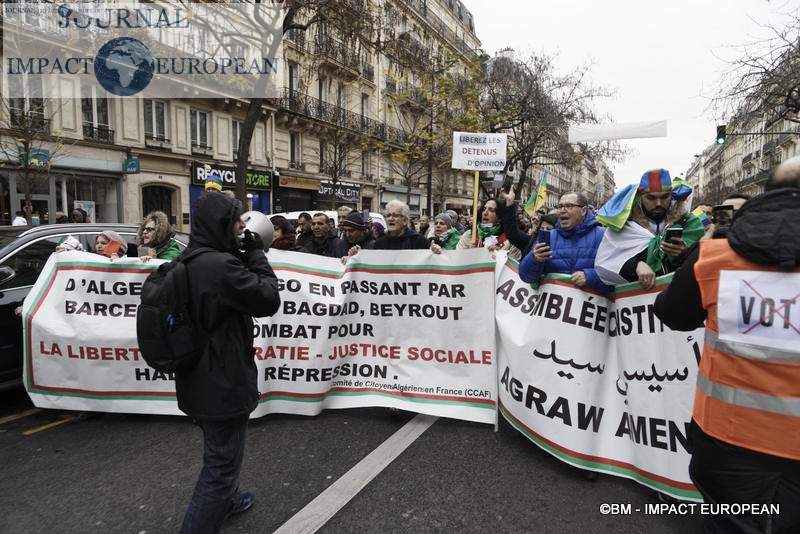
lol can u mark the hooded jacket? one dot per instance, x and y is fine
(573, 250)
(227, 289)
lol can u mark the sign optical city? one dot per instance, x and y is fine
(144, 47)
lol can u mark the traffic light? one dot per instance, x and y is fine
(722, 135)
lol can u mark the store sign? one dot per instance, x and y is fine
(39, 158)
(297, 182)
(132, 166)
(256, 180)
(345, 192)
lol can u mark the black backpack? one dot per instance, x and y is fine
(168, 337)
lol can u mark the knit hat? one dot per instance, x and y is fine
(379, 227)
(655, 181)
(446, 218)
(213, 183)
(111, 235)
(354, 220)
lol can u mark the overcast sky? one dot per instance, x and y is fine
(662, 59)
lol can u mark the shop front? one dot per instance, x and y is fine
(258, 184)
(401, 194)
(295, 193)
(71, 182)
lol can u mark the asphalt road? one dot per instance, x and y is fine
(345, 471)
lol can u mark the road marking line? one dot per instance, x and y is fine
(20, 415)
(319, 511)
(64, 419)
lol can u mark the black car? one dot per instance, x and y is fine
(23, 253)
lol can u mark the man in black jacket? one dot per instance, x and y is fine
(228, 288)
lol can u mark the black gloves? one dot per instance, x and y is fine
(252, 241)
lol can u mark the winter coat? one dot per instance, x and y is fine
(466, 242)
(228, 288)
(409, 240)
(343, 246)
(573, 250)
(326, 248)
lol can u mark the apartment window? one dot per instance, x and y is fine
(294, 77)
(322, 88)
(294, 151)
(323, 163)
(26, 111)
(236, 133)
(155, 120)
(364, 163)
(94, 109)
(199, 125)
(364, 110)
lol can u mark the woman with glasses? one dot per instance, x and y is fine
(154, 238)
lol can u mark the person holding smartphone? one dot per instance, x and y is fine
(569, 248)
(637, 247)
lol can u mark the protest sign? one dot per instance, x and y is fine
(598, 382)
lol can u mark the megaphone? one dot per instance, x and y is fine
(257, 222)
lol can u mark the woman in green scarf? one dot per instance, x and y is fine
(490, 233)
(444, 234)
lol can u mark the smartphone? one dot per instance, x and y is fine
(507, 183)
(498, 180)
(674, 232)
(545, 237)
(722, 217)
(365, 215)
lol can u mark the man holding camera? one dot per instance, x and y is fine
(650, 229)
(230, 283)
(569, 248)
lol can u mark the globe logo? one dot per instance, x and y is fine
(124, 66)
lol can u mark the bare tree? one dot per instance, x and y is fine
(765, 79)
(535, 106)
(353, 22)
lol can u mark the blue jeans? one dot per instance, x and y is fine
(223, 452)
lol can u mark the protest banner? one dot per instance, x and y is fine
(392, 329)
(598, 382)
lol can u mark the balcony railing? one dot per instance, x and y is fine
(314, 108)
(100, 133)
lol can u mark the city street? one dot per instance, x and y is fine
(110, 473)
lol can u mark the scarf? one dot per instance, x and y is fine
(485, 231)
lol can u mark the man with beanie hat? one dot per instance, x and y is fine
(228, 287)
(356, 236)
(636, 248)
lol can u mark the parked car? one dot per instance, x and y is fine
(292, 216)
(23, 252)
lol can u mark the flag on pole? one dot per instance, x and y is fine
(538, 197)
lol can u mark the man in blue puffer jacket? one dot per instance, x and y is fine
(573, 246)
